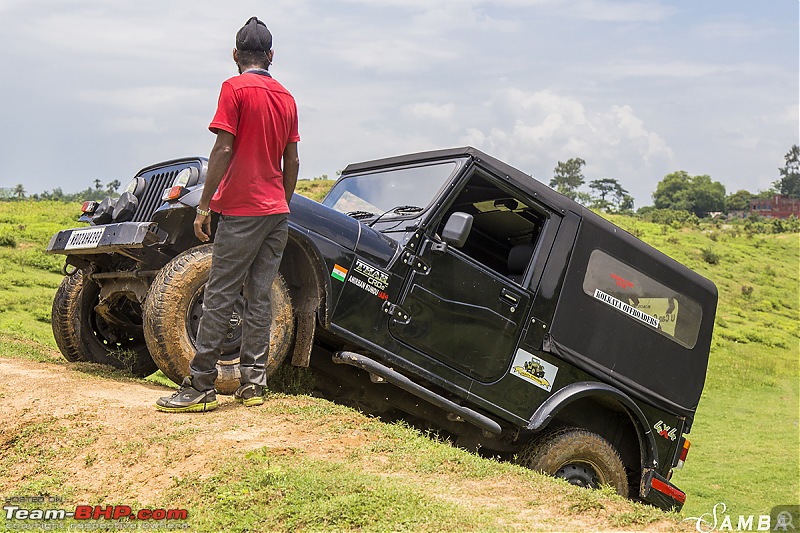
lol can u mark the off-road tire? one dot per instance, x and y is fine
(171, 313)
(576, 455)
(82, 335)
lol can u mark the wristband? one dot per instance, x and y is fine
(203, 212)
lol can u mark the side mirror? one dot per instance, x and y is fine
(457, 229)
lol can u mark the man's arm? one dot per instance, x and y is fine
(218, 163)
(291, 167)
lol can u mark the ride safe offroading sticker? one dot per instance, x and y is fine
(534, 370)
(364, 276)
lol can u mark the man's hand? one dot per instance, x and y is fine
(202, 227)
(218, 163)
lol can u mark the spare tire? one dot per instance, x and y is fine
(172, 314)
(82, 334)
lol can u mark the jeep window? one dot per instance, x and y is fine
(377, 193)
(643, 299)
(505, 227)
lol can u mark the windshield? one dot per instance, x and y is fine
(374, 194)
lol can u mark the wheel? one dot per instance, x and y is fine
(82, 334)
(581, 457)
(172, 314)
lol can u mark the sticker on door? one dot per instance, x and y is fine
(534, 370)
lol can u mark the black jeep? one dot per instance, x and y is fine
(447, 286)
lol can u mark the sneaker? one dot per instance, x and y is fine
(250, 394)
(187, 399)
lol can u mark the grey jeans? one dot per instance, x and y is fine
(246, 255)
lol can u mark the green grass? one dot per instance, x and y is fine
(745, 441)
(299, 494)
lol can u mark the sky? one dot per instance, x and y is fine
(93, 89)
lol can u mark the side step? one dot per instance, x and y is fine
(399, 380)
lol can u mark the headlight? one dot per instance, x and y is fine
(185, 178)
(125, 207)
(136, 187)
(104, 212)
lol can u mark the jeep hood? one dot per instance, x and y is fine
(309, 216)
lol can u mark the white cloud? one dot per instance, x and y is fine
(550, 127)
(429, 111)
(681, 69)
(621, 11)
(138, 98)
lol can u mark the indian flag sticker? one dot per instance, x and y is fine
(339, 273)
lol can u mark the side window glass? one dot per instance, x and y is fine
(642, 299)
(505, 227)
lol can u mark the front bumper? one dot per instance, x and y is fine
(657, 491)
(109, 238)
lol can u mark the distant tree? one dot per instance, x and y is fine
(98, 184)
(56, 194)
(766, 194)
(112, 187)
(738, 201)
(696, 194)
(567, 177)
(789, 184)
(19, 191)
(610, 196)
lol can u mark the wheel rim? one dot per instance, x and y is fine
(580, 474)
(233, 337)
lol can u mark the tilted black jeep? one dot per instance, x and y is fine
(444, 285)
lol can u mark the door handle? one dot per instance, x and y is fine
(510, 298)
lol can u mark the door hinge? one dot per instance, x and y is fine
(416, 263)
(396, 312)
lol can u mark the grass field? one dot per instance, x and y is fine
(745, 441)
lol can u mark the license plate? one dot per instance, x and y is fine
(85, 238)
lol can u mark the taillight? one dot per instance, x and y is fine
(89, 207)
(684, 453)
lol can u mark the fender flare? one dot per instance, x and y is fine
(587, 389)
(303, 268)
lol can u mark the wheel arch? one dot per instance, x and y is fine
(589, 398)
(302, 267)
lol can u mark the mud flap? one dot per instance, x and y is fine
(657, 491)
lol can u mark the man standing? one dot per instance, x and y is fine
(256, 128)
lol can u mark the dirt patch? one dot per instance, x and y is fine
(110, 440)
(104, 440)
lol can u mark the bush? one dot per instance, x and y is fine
(7, 240)
(710, 256)
(670, 217)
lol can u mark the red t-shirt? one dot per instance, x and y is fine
(262, 115)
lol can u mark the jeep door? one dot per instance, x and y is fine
(467, 307)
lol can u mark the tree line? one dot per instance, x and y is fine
(677, 191)
(97, 193)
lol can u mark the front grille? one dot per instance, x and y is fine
(158, 179)
(151, 198)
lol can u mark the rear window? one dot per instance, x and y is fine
(642, 299)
